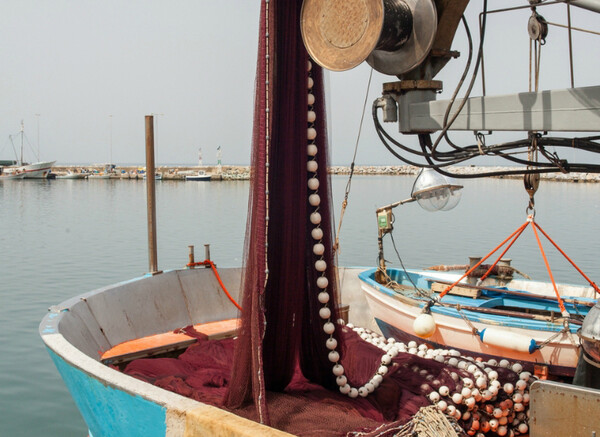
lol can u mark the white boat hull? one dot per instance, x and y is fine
(37, 170)
(395, 317)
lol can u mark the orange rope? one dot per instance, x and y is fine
(214, 269)
(560, 301)
(450, 287)
(568, 259)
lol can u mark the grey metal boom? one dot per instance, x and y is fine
(590, 5)
(567, 110)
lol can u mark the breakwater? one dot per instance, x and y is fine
(240, 172)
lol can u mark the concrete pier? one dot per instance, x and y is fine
(241, 172)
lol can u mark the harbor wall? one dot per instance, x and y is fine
(241, 172)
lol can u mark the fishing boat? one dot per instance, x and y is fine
(515, 319)
(36, 170)
(125, 351)
(201, 176)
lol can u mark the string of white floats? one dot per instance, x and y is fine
(321, 266)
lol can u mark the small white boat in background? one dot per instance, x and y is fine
(72, 175)
(36, 170)
(100, 176)
(201, 176)
(11, 176)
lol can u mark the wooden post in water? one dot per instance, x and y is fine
(150, 196)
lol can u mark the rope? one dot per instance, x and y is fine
(568, 259)
(214, 269)
(560, 301)
(336, 244)
(450, 287)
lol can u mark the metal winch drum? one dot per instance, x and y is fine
(590, 336)
(393, 36)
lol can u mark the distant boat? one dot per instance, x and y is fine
(201, 176)
(36, 170)
(72, 175)
(100, 176)
(12, 176)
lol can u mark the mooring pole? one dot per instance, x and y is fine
(151, 196)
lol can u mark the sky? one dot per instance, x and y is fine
(82, 74)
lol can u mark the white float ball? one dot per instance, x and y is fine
(453, 361)
(314, 199)
(504, 363)
(508, 388)
(525, 376)
(311, 99)
(492, 362)
(320, 265)
(325, 313)
(444, 390)
(370, 387)
(517, 367)
(317, 234)
(434, 396)
(493, 375)
(465, 392)
(338, 370)
(312, 150)
(322, 282)
(450, 409)
(481, 382)
(377, 378)
(318, 249)
(412, 344)
(311, 133)
(518, 407)
(310, 83)
(521, 385)
(345, 389)
(311, 116)
(502, 430)
(363, 392)
(353, 393)
(442, 405)
(323, 297)
(309, 65)
(457, 398)
(386, 359)
(315, 218)
(523, 428)
(382, 370)
(468, 382)
(329, 328)
(313, 184)
(341, 380)
(312, 166)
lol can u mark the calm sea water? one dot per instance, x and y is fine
(62, 238)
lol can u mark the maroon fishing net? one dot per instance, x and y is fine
(278, 370)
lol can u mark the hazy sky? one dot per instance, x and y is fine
(76, 63)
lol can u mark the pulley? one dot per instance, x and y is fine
(393, 36)
(537, 27)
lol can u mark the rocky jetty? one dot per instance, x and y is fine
(241, 172)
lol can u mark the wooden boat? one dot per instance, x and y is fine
(512, 319)
(201, 176)
(83, 336)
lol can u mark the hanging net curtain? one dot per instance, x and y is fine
(280, 327)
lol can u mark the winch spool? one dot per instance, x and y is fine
(393, 36)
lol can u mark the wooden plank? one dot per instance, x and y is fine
(457, 290)
(167, 342)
